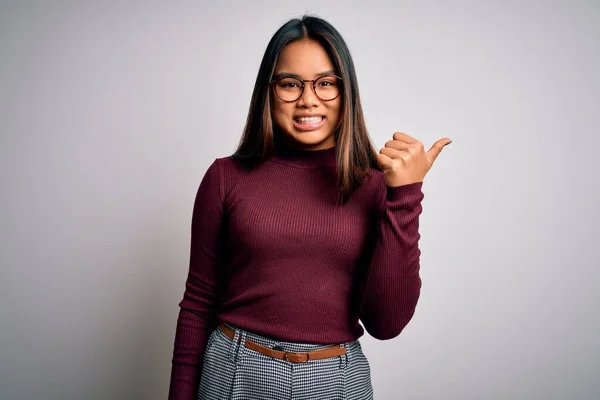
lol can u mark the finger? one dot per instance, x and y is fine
(404, 137)
(397, 144)
(384, 161)
(436, 149)
(394, 153)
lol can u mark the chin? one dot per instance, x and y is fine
(312, 139)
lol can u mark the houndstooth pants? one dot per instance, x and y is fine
(231, 371)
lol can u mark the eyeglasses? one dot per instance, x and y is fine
(289, 89)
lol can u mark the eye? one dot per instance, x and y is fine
(289, 83)
(327, 82)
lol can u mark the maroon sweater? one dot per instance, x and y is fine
(273, 252)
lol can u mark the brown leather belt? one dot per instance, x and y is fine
(329, 352)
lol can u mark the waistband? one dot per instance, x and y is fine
(284, 345)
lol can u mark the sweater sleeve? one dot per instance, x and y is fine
(197, 315)
(391, 287)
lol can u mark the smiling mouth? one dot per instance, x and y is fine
(307, 124)
(308, 120)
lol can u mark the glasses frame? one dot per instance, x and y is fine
(304, 81)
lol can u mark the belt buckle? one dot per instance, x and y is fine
(286, 357)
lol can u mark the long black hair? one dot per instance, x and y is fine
(355, 153)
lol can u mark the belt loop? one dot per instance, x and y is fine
(344, 357)
(242, 346)
(234, 345)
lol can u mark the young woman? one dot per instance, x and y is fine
(302, 233)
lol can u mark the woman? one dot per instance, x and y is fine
(300, 234)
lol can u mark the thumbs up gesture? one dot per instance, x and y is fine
(403, 159)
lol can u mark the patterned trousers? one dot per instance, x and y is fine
(231, 371)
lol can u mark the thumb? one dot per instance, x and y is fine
(436, 149)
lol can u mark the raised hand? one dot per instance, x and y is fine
(403, 159)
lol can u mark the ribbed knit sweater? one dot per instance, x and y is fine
(274, 252)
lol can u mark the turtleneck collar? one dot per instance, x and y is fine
(301, 158)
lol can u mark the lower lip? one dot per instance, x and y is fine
(308, 127)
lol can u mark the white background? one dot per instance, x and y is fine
(110, 113)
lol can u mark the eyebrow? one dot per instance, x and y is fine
(290, 75)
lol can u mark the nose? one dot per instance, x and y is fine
(308, 98)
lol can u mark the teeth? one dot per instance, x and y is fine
(309, 120)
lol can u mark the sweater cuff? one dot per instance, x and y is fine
(407, 194)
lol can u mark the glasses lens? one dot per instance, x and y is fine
(327, 87)
(288, 89)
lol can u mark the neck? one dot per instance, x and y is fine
(304, 158)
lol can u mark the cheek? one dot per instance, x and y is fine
(335, 111)
(281, 114)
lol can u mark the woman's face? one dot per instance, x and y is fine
(307, 123)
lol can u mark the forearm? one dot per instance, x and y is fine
(391, 287)
(190, 340)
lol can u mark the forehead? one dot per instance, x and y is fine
(305, 58)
